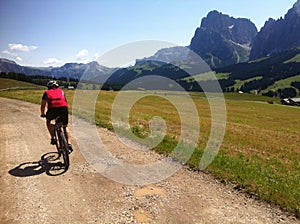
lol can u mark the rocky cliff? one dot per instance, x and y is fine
(278, 35)
(223, 40)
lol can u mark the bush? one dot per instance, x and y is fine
(288, 93)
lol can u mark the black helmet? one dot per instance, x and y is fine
(52, 84)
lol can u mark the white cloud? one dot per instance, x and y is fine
(21, 47)
(19, 58)
(96, 57)
(83, 60)
(83, 56)
(51, 61)
(82, 53)
(8, 52)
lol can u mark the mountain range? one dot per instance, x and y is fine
(68, 70)
(225, 43)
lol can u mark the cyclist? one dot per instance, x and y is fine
(57, 105)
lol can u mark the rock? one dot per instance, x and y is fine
(223, 40)
(278, 35)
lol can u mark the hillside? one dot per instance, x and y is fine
(14, 84)
(68, 70)
(261, 75)
(275, 76)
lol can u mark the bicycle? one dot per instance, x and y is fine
(61, 142)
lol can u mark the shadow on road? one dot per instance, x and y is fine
(49, 163)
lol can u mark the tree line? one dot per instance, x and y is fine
(39, 79)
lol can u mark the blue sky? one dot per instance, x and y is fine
(53, 32)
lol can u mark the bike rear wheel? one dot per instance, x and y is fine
(64, 149)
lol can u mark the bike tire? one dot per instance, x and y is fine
(57, 142)
(64, 149)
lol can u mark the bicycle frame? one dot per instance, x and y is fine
(61, 142)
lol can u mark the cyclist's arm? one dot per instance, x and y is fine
(63, 93)
(43, 104)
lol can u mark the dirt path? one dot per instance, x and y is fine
(31, 192)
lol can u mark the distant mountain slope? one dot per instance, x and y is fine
(261, 74)
(277, 65)
(11, 66)
(278, 35)
(91, 71)
(223, 40)
(255, 76)
(147, 68)
(168, 55)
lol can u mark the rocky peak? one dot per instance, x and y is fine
(229, 27)
(278, 35)
(222, 40)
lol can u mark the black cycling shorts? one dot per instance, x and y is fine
(61, 112)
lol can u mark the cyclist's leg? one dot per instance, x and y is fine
(65, 121)
(50, 115)
(50, 128)
(67, 134)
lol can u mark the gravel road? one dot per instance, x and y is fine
(36, 189)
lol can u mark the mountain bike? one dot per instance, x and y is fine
(61, 142)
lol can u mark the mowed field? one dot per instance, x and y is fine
(6, 84)
(260, 153)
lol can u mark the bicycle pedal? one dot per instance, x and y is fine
(70, 149)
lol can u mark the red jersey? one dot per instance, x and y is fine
(55, 98)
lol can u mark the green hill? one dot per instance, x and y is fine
(271, 76)
(14, 84)
(277, 75)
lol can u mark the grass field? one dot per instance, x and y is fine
(239, 83)
(260, 153)
(14, 84)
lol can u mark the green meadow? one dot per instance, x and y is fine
(6, 84)
(260, 152)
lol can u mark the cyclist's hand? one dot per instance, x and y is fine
(43, 115)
